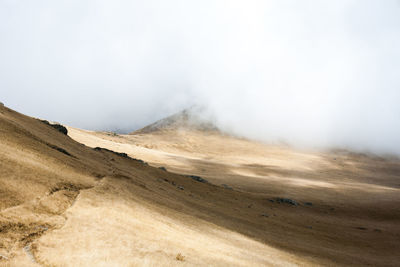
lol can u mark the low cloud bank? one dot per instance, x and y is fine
(320, 74)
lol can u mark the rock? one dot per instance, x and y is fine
(1, 104)
(197, 178)
(140, 161)
(124, 155)
(59, 149)
(227, 186)
(60, 128)
(287, 201)
(264, 215)
(162, 168)
(56, 126)
(181, 187)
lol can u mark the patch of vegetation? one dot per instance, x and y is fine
(180, 257)
(112, 134)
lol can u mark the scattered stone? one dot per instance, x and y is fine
(173, 183)
(162, 168)
(264, 215)
(28, 251)
(308, 203)
(361, 228)
(227, 186)
(271, 200)
(44, 228)
(197, 178)
(181, 188)
(287, 201)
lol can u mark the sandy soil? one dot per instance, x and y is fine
(91, 207)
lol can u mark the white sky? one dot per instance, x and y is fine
(313, 73)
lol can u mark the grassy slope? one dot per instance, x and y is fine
(354, 218)
(97, 208)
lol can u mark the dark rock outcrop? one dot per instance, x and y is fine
(287, 201)
(56, 126)
(124, 155)
(227, 186)
(59, 149)
(197, 178)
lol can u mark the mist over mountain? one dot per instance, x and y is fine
(313, 74)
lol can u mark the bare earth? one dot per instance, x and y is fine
(63, 203)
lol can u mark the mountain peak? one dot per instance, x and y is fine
(193, 118)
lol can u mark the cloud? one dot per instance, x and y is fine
(310, 73)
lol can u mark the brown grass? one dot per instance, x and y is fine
(98, 208)
(180, 257)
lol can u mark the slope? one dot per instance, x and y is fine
(334, 205)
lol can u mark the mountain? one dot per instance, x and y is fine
(192, 118)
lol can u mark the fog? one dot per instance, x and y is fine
(308, 73)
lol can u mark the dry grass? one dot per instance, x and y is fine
(96, 208)
(180, 257)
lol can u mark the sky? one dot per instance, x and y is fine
(308, 73)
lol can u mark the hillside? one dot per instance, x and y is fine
(64, 203)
